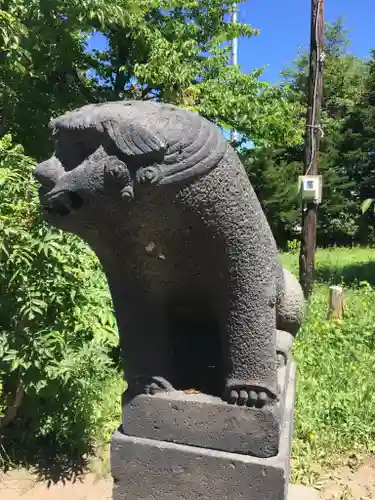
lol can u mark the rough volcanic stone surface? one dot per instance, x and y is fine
(146, 469)
(190, 259)
(207, 421)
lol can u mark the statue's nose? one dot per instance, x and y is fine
(48, 172)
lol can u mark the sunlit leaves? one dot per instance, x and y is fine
(366, 204)
(55, 302)
(166, 50)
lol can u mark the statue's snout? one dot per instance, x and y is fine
(49, 172)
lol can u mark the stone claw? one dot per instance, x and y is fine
(243, 395)
(116, 169)
(148, 175)
(158, 384)
(127, 193)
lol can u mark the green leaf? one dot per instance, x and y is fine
(366, 204)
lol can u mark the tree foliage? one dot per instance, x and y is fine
(274, 175)
(43, 62)
(56, 323)
(165, 50)
(357, 146)
(338, 215)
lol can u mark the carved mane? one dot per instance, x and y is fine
(182, 144)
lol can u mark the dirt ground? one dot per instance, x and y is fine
(344, 484)
(22, 484)
(349, 484)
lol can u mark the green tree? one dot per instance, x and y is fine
(344, 77)
(44, 62)
(165, 50)
(274, 174)
(357, 148)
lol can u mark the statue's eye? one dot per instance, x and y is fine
(81, 149)
(72, 151)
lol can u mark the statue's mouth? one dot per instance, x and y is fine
(60, 203)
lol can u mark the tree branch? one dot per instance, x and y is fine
(11, 411)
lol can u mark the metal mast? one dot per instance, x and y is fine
(235, 40)
(234, 52)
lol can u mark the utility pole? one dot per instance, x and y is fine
(234, 54)
(312, 142)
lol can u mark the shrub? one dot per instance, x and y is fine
(56, 322)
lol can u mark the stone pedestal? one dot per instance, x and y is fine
(149, 468)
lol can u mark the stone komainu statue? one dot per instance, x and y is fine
(200, 298)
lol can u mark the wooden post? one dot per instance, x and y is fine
(312, 141)
(336, 302)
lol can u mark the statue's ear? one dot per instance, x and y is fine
(135, 141)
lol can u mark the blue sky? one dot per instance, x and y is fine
(285, 26)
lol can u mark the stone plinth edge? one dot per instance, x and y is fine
(150, 469)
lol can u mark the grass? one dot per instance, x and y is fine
(335, 408)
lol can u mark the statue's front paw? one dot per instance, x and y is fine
(242, 393)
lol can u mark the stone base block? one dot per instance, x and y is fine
(209, 422)
(149, 469)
